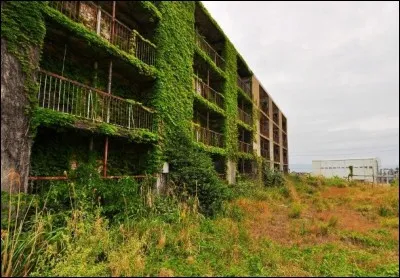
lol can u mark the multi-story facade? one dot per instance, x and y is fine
(116, 79)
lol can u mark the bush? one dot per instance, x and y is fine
(385, 211)
(336, 181)
(192, 171)
(272, 177)
(295, 210)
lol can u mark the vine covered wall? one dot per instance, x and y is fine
(22, 34)
(172, 95)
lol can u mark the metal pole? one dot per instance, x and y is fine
(113, 22)
(105, 157)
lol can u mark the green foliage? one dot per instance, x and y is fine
(209, 104)
(98, 42)
(192, 170)
(151, 9)
(107, 129)
(385, 211)
(335, 181)
(23, 27)
(230, 93)
(272, 177)
(295, 210)
(50, 118)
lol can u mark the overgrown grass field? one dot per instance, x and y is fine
(306, 227)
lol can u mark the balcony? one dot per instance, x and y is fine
(96, 19)
(245, 86)
(275, 118)
(264, 127)
(207, 48)
(207, 92)
(285, 160)
(245, 147)
(67, 96)
(285, 141)
(244, 117)
(265, 153)
(207, 137)
(276, 137)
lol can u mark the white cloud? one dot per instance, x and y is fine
(332, 67)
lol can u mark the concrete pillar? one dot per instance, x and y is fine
(231, 171)
(256, 99)
(271, 133)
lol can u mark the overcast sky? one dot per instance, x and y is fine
(332, 68)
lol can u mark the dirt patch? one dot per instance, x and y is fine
(348, 220)
(333, 192)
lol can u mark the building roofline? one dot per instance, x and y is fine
(345, 159)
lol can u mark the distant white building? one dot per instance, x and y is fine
(366, 169)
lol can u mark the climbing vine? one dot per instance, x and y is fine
(172, 95)
(23, 28)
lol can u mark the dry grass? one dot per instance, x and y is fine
(282, 224)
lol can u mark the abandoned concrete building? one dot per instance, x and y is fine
(112, 76)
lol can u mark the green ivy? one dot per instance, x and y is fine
(22, 25)
(151, 9)
(209, 104)
(97, 41)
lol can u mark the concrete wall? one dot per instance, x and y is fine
(363, 169)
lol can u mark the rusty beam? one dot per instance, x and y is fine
(47, 178)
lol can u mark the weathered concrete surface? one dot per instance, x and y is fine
(231, 171)
(15, 140)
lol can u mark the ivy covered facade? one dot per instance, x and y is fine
(118, 82)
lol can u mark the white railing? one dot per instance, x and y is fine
(67, 96)
(244, 117)
(96, 19)
(207, 92)
(207, 136)
(207, 48)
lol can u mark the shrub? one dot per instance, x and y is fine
(295, 210)
(272, 177)
(193, 173)
(332, 221)
(385, 211)
(336, 181)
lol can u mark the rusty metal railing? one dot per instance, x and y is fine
(245, 147)
(209, 50)
(96, 19)
(244, 117)
(245, 86)
(207, 136)
(207, 92)
(67, 96)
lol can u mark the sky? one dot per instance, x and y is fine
(331, 67)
